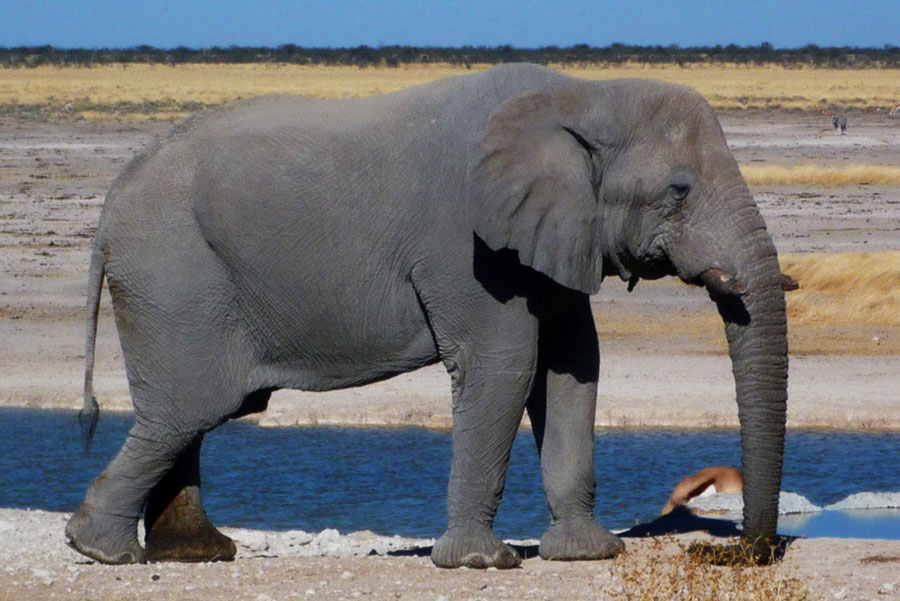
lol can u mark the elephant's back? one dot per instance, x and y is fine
(468, 97)
(304, 156)
(463, 102)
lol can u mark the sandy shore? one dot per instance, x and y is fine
(36, 566)
(664, 364)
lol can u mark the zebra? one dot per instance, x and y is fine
(840, 121)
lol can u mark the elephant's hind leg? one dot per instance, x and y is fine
(187, 367)
(105, 537)
(105, 526)
(177, 528)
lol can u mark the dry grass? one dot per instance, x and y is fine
(155, 91)
(880, 559)
(756, 87)
(848, 303)
(827, 177)
(162, 92)
(848, 289)
(669, 572)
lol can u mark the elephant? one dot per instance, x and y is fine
(317, 244)
(716, 479)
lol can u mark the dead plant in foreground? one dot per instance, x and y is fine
(880, 559)
(668, 570)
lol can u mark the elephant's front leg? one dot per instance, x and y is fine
(177, 528)
(489, 392)
(562, 408)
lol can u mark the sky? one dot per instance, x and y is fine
(520, 23)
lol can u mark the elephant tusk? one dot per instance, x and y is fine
(722, 283)
(788, 283)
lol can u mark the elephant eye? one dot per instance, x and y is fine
(679, 191)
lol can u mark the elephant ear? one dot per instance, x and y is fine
(532, 188)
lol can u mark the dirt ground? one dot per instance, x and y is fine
(35, 565)
(664, 365)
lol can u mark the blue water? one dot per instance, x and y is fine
(393, 481)
(857, 523)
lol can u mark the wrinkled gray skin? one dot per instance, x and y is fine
(284, 242)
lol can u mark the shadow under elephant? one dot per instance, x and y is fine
(679, 521)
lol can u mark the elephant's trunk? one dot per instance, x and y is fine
(730, 252)
(756, 328)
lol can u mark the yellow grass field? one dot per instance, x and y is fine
(140, 92)
(847, 304)
(143, 91)
(815, 175)
(845, 288)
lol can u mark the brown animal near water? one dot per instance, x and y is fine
(717, 479)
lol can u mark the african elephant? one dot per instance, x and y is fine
(285, 242)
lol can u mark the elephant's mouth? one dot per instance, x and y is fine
(646, 271)
(643, 265)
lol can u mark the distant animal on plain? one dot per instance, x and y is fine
(840, 121)
(894, 112)
(709, 480)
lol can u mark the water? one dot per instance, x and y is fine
(859, 523)
(394, 481)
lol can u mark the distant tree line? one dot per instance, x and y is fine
(392, 56)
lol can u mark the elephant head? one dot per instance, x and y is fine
(634, 178)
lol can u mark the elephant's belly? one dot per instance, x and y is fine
(331, 373)
(343, 343)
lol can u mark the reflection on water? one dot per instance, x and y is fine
(858, 523)
(394, 481)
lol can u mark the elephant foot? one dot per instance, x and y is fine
(577, 539)
(190, 546)
(105, 538)
(473, 547)
(182, 532)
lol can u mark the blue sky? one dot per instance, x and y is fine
(522, 23)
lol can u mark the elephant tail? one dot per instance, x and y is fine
(90, 410)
